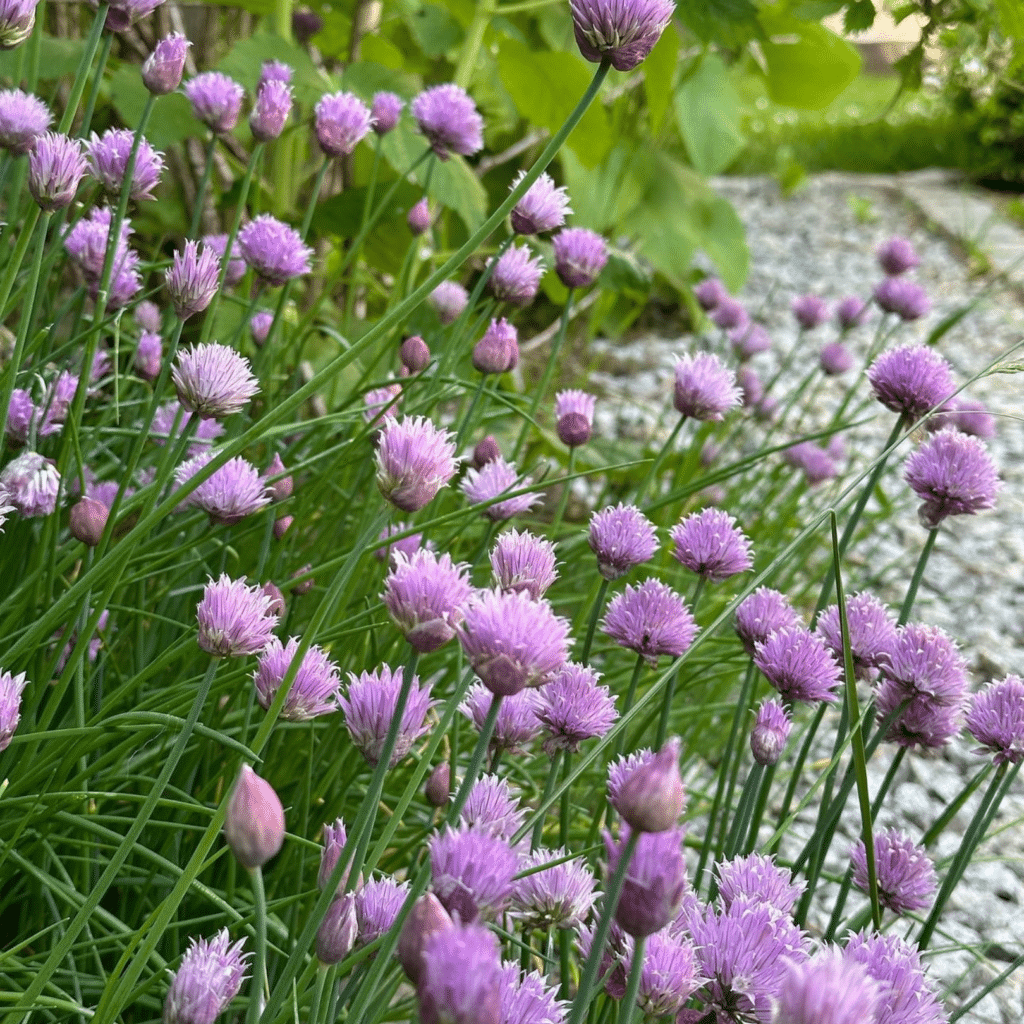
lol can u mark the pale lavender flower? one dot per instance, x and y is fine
(149, 354)
(460, 977)
(23, 118)
(770, 734)
(108, 156)
(872, 629)
(448, 117)
(342, 120)
(415, 460)
(559, 896)
(425, 595)
(21, 414)
(378, 903)
(495, 478)
(86, 244)
(896, 256)
(498, 350)
(335, 837)
(274, 71)
(370, 706)
(164, 419)
(56, 167)
(651, 619)
(124, 13)
(274, 250)
(749, 340)
(730, 315)
(11, 687)
(254, 822)
(911, 380)
(17, 19)
(574, 417)
(835, 359)
(621, 536)
(213, 380)
(192, 279)
(236, 265)
(758, 879)
(216, 100)
(407, 546)
(209, 976)
(709, 293)
(543, 208)
(574, 707)
(906, 995)
(655, 880)
(382, 402)
(385, 112)
(907, 299)
(705, 388)
(449, 299)
(996, 720)
(815, 462)
(492, 808)
(810, 311)
(580, 256)
(471, 872)
(526, 998)
(669, 975)
(232, 492)
(513, 642)
(523, 562)
(516, 276)
(750, 385)
(29, 484)
(620, 31)
(517, 721)
(419, 220)
(827, 987)
(904, 871)
(234, 619)
(315, 689)
(710, 544)
(799, 665)
(761, 614)
(163, 68)
(851, 311)
(261, 322)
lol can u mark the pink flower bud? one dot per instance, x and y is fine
(306, 585)
(427, 917)
(281, 525)
(282, 487)
(415, 354)
(254, 825)
(438, 787)
(87, 520)
(276, 606)
(652, 797)
(337, 932)
(486, 450)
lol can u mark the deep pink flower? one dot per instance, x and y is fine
(897, 256)
(810, 311)
(907, 299)
(574, 417)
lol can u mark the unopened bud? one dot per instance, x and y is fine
(163, 68)
(306, 585)
(415, 354)
(770, 733)
(281, 525)
(282, 487)
(426, 918)
(438, 787)
(254, 825)
(338, 930)
(498, 350)
(276, 606)
(270, 113)
(486, 450)
(573, 429)
(652, 797)
(419, 218)
(87, 520)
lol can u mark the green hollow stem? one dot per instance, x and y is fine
(666, 710)
(371, 188)
(318, 993)
(658, 460)
(563, 502)
(259, 961)
(476, 761)
(549, 787)
(627, 1010)
(17, 258)
(595, 614)
(805, 749)
(82, 73)
(466, 424)
(94, 92)
(204, 184)
(634, 679)
(741, 821)
(915, 581)
(564, 806)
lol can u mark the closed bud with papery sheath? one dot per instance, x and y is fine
(163, 68)
(254, 824)
(87, 520)
(426, 918)
(652, 797)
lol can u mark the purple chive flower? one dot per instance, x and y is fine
(498, 350)
(758, 879)
(615, 957)
(471, 873)
(851, 311)
(370, 706)
(710, 544)
(996, 720)
(229, 494)
(124, 13)
(953, 475)
(426, 918)
(379, 403)
(810, 311)
(29, 484)
(338, 930)
(906, 995)
(828, 987)
(574, 417)
(86, 244)
(163, 68)
(261, 322)
(751, 387)
(449, 299)
(574, 707)
(580, 256)
(651, 798)
(651, 619)
(543, 208)
(335, 837)
(798, 664)
(206, 432)
(559, 896)
(274, 71)
(273, 250)
(907, 299)
(523, 562)
(872, 632)
(494, 478)
(911, 380)
(254, 823)
(655, 880)
(513, 642)
(492, 808)
(415, 460)
(419, 220)
(192, 279)
(621, 768)
(516, 276)
(970, 417)
(517, 721)
(342, 120)
(56, 167)
(425, 595)
(149, 353)
(526, 999)
(87, 520)
(730, 315)
(460, 977)
(407, 546)
(315, 689)
(216, 100)
(835, 358)
(749, 341)
(11, 687)
(108, 156)
(17, 19)
(385, 112)
(23, 118)
(279, 485)
(668, 976)
(414, 354)
(271, 109)
(620, 31)
(209, 977)
(378, 903)
(621, 536)
(448, 117)
(234, 619)
(761, 614)
(815, 462)
(905, 873)
(709, 293)
(897, 256)
(705, 388)
(213, 380)
(770, 733)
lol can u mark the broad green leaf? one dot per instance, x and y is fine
(1010, 14)
(708, 114)
(659, 73)
(859, 16)
(365, 77)
(380, 50)
(808, 66)
(601, 195)
(434, 30)
(816, 10)
(171, 120)
(730, 22)
(245, 59)
(57, 57)
(720, 234)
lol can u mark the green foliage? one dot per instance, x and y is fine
(707, 112)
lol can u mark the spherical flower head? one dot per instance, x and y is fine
(335, 837)
(254, 823)
(761, 614)
(229, 494)
(491, 807)
(216, 100)
(192, 279)
(271, 109)
(705, 388)
(385, 112)
(341, 121)
(516, 276)
(651, 798)
(996, 720)
(971, 418)
(574, 707)
(513, 642)
(338, 930)
(425, 595)
(907, 299)
(835, 358)
(651, 619)
(471, 873)
(11, 687)
(544, 207)
(30, 484)
(517, 721)
(770, 733)
(164, 426)
(209, 977)
(655, 883)
(213, 380)
(815, 462)
(621, 536)
(415, 460)
(108, 155)
(274, 71)
(904, 872)
(498, 350)
(234, 619)
(730, 315)
(668, 976)
(710, 544)
(449, 299)
(274, 250)
(523, 562)
(574, 417)
(56, 167)
(897, 256)
(460, 977)
(414, 354)
(419, 219)
(749, 340)
(407, 546)
(494, 478)
(557, 896)
(757, 878)
(911, 380)
(381, 403)
(709, 293)
(828, 987)
(623, 33)
(163, 68)
(580, 256)
(86, 244)
(23, 118)
(378, 903)
(369, 708)
(799, 665)
(810, 311)
(872, 628)
(953, 475)
(906, 994)
(87, 520)
(17, 19)
(851, 311)
(315, 689)
(448, 117)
